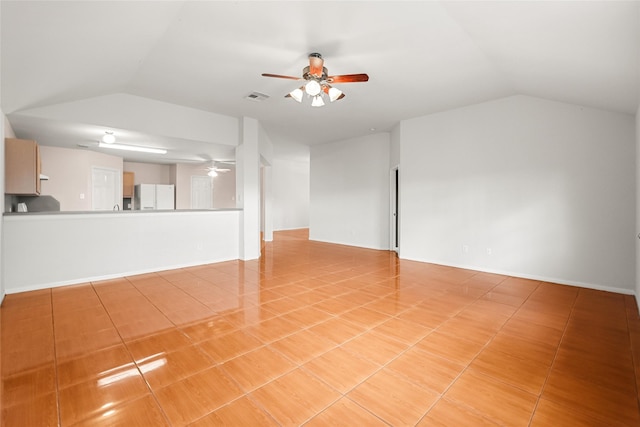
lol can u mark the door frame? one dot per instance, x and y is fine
(394, 209)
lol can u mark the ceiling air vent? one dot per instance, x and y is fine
(256, 96)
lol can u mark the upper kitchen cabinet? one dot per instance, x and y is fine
(22, 167)
(128, 179)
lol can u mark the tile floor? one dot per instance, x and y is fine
(317, 334)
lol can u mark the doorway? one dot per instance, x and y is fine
(201, 192)
(106, 189)
(394, 232)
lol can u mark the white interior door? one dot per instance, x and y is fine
(106, 189)
(201, 192)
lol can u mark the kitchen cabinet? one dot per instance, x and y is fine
(21, 167)
(128, 179)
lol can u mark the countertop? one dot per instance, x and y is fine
(151, 211)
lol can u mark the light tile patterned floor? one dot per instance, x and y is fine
(318, 334)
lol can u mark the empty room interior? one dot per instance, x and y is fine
(304, 213)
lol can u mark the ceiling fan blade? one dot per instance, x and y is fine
(315, 64)
(281, 76)
(348, 78)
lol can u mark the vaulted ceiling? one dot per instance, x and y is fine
(421, 58)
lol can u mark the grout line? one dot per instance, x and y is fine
(133, 359)
(473, 409)
(55, 359)
(564, 331)
(635, 358)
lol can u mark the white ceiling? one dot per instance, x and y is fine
(421, 57)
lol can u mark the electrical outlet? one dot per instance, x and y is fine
(465, 249)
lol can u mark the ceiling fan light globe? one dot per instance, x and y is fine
(212, 173)
(312, 88)
(108, 138)
(317, 101)
(334, 93)
(297, 94)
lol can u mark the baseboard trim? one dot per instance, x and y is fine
(353, 245)
(86, 280)
(578, 284)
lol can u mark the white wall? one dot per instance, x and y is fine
(76, 248)
(349, 184)
(290, 194)
(7, 132)
(265, 177)
(248, 187)
(135, 113)
(547, 187)
(637, 290)
(396, 138)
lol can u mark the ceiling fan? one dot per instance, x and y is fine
(217, 168)
(318, 82)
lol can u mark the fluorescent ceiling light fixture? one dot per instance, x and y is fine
(132, 148)
(312, 88)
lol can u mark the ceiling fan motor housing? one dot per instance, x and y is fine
(306, 74)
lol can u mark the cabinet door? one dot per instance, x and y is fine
(38, 169)
(128, 179)
(22, 167)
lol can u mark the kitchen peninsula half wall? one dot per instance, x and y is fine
(47, 250)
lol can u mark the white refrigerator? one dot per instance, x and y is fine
(154, 196)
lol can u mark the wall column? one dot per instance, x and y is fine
(248, 188)
(267, 202)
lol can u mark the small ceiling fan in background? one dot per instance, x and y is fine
(319, 82)
(218, 168)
